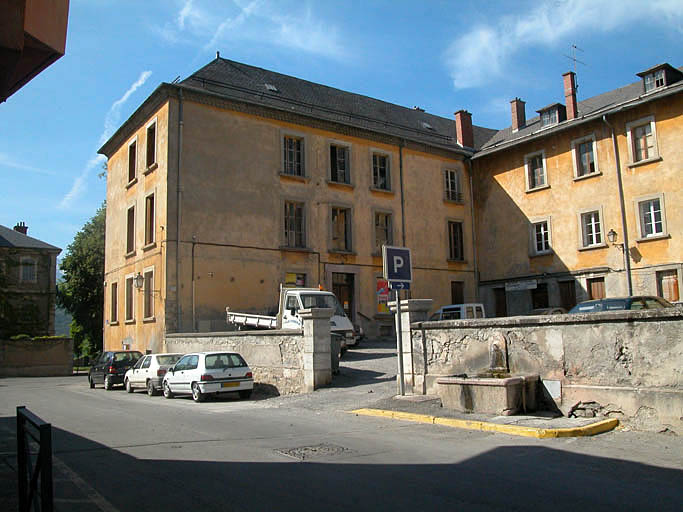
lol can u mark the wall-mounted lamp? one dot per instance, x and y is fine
(612, 237)
(138, 281)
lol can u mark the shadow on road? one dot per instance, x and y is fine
(351, 377)
(504, 478)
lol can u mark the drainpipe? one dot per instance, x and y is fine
(624, 228)
(178, 194)
(474, 235)
(194, 318)
(400, 173)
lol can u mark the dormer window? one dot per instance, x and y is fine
(552, 114)
(654, 80)
(660, 76)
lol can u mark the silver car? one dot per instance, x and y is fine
(149, 371)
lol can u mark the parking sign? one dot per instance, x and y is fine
(396, 264)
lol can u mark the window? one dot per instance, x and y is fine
(585, 163)
(293, 156)
(540, 237)
(295, 234)
(383, 230)
(549, 117)
(149, 219)
(151, 145)
(132, 159)
(455, 241)
(651, 219)
(339, 164)
(130, 310)
(381, 178)
(591, 229)
(654, 80)
(341, 229)
(642, 140)
(539, 296)
(596, 288)
(535, 170)
(148, 304)
(452, 185)
(29, 270)
(457, 292)
(130, 230)
(667, 285)
(114, 305)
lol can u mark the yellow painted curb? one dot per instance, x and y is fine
(514, 430)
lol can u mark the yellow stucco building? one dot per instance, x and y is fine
(237, 179)
(584, 200)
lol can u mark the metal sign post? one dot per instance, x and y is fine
(398, 272)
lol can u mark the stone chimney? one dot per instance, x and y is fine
(21, 227)
(518, 114)
(463, 128)
(570, 94)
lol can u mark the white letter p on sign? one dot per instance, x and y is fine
(398, 263)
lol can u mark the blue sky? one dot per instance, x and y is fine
(439, 55)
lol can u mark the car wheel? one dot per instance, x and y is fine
(245, 393)
(129, 388)
(107, 383)
(151, 390)
(90, 382)
(197, 394)
(167, 391)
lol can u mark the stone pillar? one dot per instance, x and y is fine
(317, 347)
(412, 310)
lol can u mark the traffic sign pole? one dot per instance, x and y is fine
(399, 339)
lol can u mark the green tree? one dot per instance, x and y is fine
(81, 291)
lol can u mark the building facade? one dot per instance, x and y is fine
(237, 179)
(584, 200)
(27, 283)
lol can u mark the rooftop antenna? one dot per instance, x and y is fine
(176, 80)
(573, 58)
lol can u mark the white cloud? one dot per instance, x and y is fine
(480, 56)
(278, 24)
(7, 161)
(111, 121)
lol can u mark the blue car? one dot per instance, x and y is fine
(621, 303)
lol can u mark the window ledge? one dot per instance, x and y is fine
(587, 176)
(149, 246)
(342, 252)
(663, 236)
(591, 247)
(151, 167)
(295, 249)
(130, 254)
(454, 201)
(341, 184)
(149, 320)
(114, 323)
(382, 190)
(645, 162)
(131, 321)
(294, 177)
(541, 254)
(132, 182)
(536, 189)
(450, 260)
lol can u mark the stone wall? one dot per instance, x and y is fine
(36, 358)
(626, 364)
(275, 357)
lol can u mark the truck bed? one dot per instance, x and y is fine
(250, 320)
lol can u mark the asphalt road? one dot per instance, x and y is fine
(132, 452)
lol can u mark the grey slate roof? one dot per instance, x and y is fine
(601, 103)
(254, 85)
(12, 238)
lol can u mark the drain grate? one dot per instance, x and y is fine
(314, 452)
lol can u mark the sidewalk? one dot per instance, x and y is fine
(428, 409)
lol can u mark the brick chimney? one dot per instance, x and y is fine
(463, 128)
(570, 94)
(21, 227)
(518, 114)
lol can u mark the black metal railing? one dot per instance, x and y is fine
(34, 462)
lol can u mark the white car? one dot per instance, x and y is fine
(149, 372)
(209, 373)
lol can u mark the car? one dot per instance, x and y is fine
(209, 373)
(110, 367)
(636, 302)
(459, 312)
(149, 372)
(547, 311)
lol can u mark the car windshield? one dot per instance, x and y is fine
(127, 356)
(614, 304)
(218, 361)
(311, 300)
(169, 359)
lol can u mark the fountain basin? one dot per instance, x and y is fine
(502, 396)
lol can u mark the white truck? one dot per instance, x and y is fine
(291, 301)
